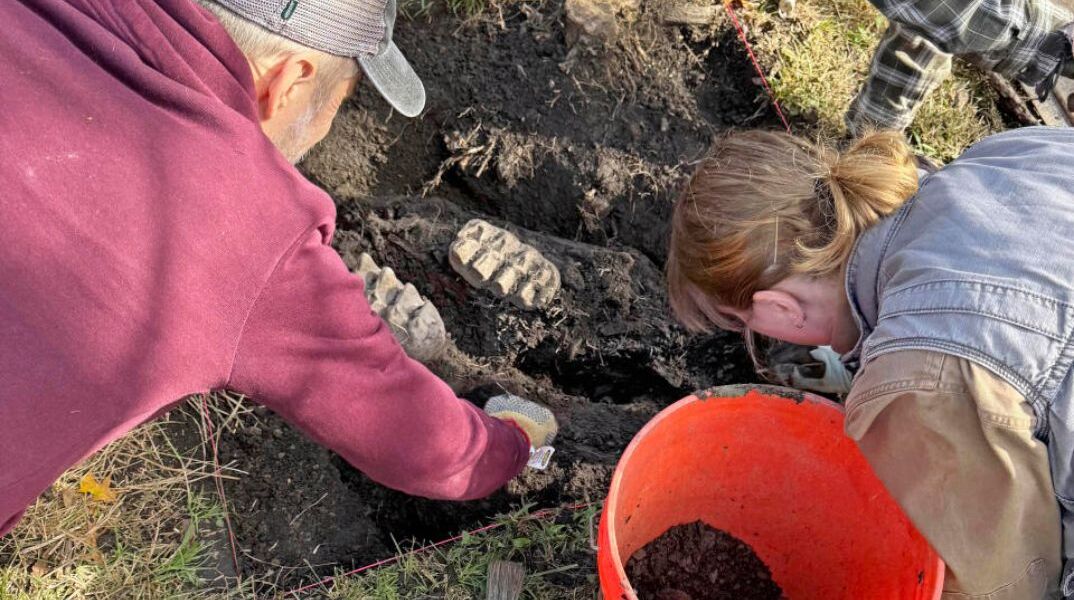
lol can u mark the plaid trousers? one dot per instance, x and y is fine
(1019, 39)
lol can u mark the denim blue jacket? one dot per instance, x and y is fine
(980, 264)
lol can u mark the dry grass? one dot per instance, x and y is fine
(820, 57)
(817, 61)
(460, 8)
(149, 543)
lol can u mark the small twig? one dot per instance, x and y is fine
(555, 570)
(304, 510)
(207, 421)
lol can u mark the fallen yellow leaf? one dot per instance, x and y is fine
(101, 491)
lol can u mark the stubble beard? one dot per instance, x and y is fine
(293, 142)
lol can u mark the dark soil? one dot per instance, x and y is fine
(699, 562)
(578, 150)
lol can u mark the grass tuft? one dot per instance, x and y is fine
(464, 9)
(555, 549)
(821, 57)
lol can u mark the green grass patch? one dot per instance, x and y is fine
(820, 58)
(554, 548)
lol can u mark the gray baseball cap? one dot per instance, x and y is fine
(361, 29)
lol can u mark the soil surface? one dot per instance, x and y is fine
(576, 149)
(699, 562)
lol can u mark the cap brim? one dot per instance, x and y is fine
(393, 77)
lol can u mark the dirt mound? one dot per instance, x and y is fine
(577, 150)
(582, 143)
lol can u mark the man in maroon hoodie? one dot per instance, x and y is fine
(156, 241)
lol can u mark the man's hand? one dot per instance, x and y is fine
(536, 421)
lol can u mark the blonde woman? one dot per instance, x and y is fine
(956, 295)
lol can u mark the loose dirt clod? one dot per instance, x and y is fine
(596, 21)
(689, 14)
(414, 320)
(493, 259)
(699, 562)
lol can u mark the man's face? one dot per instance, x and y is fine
(310, 118)
(298, 96)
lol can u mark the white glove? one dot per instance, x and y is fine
(826, 373)
(537, 421)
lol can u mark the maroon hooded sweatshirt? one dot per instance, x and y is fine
(155, 244)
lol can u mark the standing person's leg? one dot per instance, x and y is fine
(954, 445)
(1019, 39)
(906, 67)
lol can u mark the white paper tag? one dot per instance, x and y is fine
(540, 457)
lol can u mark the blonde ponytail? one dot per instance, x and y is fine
(864, 184)
(765, 205)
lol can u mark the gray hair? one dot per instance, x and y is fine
(256, 42)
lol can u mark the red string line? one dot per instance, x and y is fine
(207, 422)
(327, 581)
(756, 65)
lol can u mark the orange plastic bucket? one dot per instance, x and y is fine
(772, 467)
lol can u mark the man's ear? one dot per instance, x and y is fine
(778, 308)
(286, 81)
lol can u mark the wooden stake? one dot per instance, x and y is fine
(505, 580)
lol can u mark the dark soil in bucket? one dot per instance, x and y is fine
(699, 562)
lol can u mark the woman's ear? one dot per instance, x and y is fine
(777, 314)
